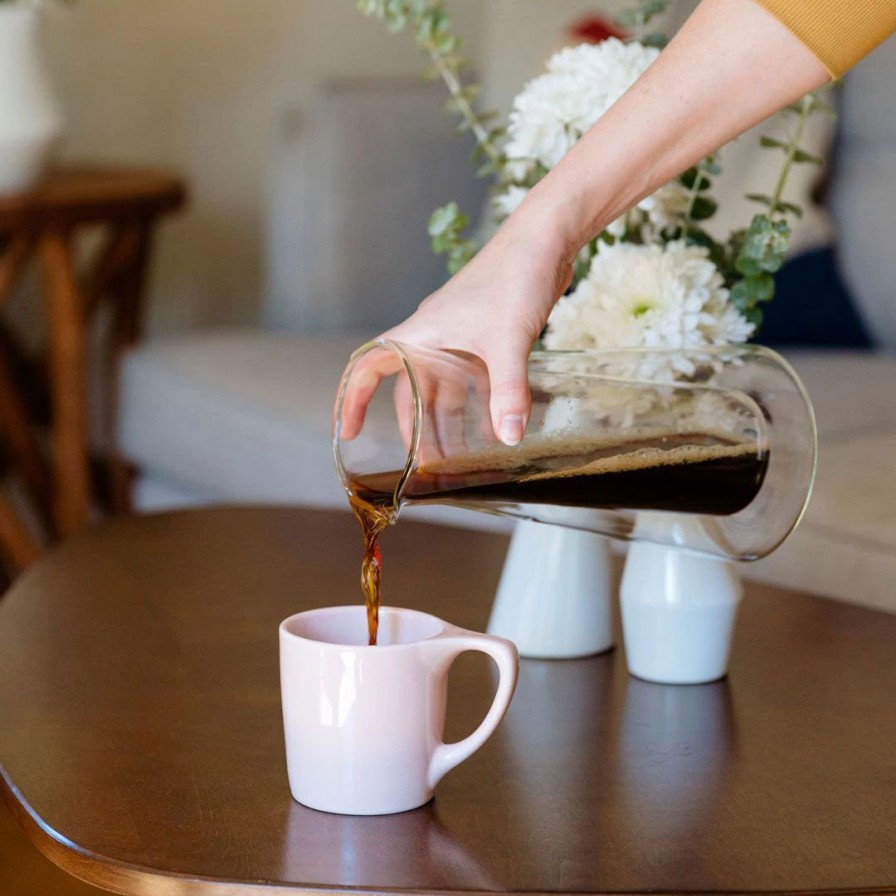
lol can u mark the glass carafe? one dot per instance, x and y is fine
(712, 449)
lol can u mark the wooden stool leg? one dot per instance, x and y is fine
(23, 444)
(14, 422)
(16, 541)
(68, 383)
(13, 261)
(127, 316)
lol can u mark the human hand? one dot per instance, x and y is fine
(495, 309)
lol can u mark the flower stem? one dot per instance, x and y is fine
(692, 197)
(793, 145)
(455, 88)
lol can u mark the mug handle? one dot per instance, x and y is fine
(452, 642)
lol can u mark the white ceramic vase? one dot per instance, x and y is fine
(678, 612)
(30, 123)
(554, 600)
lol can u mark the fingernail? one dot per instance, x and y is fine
(512, 429)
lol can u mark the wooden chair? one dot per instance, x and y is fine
(45, 224)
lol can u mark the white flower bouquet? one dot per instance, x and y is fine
(655, 278)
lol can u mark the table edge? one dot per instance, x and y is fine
(134, 880)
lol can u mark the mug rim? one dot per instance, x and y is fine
(341, 609)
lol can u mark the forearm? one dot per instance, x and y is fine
(731, 66)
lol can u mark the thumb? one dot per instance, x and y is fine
(510, 401)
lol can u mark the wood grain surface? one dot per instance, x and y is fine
(141, 741)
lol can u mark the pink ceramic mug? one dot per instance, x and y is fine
(363, 724)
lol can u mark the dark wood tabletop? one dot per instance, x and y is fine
(141, 744)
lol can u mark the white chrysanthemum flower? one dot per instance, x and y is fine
(636, 296)
(661, 211)
(506, 203)
(555, 109)
(666, 207)
(581, 83)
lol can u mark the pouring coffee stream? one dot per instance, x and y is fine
(735, 449)
(373, 519)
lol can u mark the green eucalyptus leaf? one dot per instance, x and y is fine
(772, 262)
(791, 207)
(460, 255)
(754, 316)
(772, 143)
(764, 247)
(396, 23)
(740, 296)
(717, 254)
(747, 266)
(446, 43)
(751, 290)
(442, 219)
(763, 287)
(487, 168)
(424, 29)
(455, 61)
(761, 198)
(703, 208)
(820, 105)
(655, 39)
(689, 178)
(800, 155)
(640, 15)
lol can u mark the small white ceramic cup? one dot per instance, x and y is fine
(364, 725)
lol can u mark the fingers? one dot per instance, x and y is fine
(403, 397)
(443, 402)
(449, 408)
(354, 405)
(364, 379)
(443, 389)
(510, 401)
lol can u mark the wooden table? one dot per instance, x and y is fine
(141, 742)
(46, 222)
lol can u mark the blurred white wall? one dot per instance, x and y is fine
(202, 85)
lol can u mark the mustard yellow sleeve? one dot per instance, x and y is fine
(838, 32)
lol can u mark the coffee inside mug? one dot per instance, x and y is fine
(347, 626)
